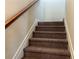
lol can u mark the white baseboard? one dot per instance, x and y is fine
(19, 52)
(69, 40)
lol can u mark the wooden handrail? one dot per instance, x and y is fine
(13, 18)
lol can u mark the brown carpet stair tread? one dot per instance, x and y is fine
(49, 26)
(47, 50)
(51, 23)
(48, 39)
(48, 32)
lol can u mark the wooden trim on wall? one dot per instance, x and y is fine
(8, 22)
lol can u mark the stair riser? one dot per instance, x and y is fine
(44, 56)
(50, 28)
(51, 23)
(49, 35)
(60, 45)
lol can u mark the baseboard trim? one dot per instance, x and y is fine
(19, 52)
(69, 40)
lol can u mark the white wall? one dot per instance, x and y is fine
(13, 6)
(70, 18)
(55, 9)
(69, 21)
(51, 10)
(16, 32)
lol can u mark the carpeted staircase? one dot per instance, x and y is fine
(48, 42)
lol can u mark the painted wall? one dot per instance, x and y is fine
(13, 6)
(70, 19)
(51, 10)
(70, 25)
(16, 32)
(54, 9)
(47, 9)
